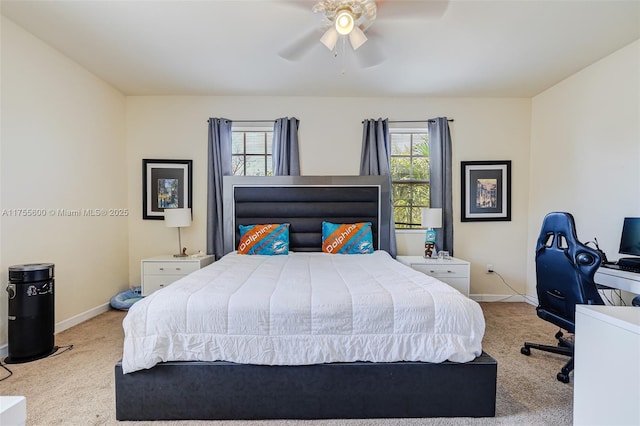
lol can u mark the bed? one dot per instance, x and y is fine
(295, 356)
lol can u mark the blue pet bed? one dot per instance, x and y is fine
(125, 299)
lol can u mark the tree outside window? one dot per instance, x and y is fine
(409, 176)
(251, 152)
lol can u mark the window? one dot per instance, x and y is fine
(251, 152)
(409, 175)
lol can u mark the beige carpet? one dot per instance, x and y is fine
(77, 387)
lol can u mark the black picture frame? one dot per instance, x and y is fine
(486, 191)
(165, 184)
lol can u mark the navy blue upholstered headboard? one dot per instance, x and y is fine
(304, 202)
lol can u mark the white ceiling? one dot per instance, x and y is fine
(514, 48)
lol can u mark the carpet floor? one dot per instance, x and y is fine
(76, 387)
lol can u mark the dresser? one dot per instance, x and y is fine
(160, 271)
(453, 271)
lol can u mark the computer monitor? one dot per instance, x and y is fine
(630, 239)
(630, 244)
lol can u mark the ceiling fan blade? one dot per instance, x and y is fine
(370, 54)
(301, 4)
(300, 47)
(411, 9)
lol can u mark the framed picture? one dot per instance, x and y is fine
(165, 184)
(486, 191)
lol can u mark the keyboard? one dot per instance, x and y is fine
(621, 268)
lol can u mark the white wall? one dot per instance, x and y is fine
(63, 147)
(330, 141)
(585, 151)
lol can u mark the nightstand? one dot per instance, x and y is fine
(453, 271)
(161, 271)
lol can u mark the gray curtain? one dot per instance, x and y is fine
(440, 179)
(284, 151)
(376, 160)
(219, 165)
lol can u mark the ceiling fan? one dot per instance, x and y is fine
(350, 19)
(347, 18)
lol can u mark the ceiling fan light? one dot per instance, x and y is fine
(344, 22)
(357, 38)
(329, 38)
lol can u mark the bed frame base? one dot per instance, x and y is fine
(224, 391)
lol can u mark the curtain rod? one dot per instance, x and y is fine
(415, 121)
(450, 120)
(251, 121)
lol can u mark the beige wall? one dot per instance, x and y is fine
(585, 151)
(63, 147)
(70, 141)
(330, 141)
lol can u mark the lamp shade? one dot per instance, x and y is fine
(432, 218)
(177, 218)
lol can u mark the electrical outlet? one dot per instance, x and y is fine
(489, 268)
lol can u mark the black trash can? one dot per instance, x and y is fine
(31, 312)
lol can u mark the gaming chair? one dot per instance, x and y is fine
(564, 278)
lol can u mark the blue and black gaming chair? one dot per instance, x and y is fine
(564, 278)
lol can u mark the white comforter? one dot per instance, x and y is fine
(303, 308)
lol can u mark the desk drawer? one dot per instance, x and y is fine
(170, 268)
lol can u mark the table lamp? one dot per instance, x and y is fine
(431, 218)
(178, 218)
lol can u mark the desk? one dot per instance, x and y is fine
(13, 410)
(615, 278)
(606, 377)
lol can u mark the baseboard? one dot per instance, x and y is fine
(610, 297)
(82, 317)
(504, 298)
(68, 323)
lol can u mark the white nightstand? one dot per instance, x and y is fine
(453, 271)
(161, 271)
